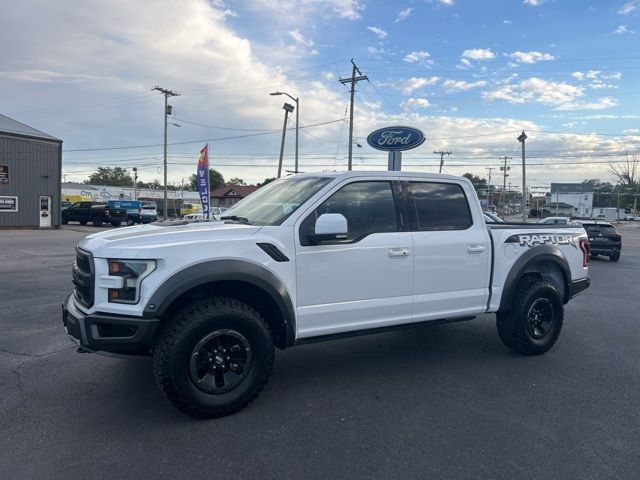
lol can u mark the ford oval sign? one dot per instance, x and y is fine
(396, 138)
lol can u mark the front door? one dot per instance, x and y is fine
(362, 281)
(45, 212)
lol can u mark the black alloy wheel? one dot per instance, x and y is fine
(540, 318)
(220, 361)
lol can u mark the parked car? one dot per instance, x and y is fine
(604, 239)
(94, 212)
(149, 212)
(315, 257)
(214, 213)
(493, 216)
(557, 221)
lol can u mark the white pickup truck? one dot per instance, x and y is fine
(315, 257)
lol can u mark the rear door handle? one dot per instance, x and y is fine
(399, 252)
(475, 249)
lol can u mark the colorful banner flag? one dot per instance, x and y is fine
(202, 180)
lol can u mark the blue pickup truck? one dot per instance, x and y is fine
(138, 211)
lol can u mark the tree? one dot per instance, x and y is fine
(236, 181)
(626, 172)
(215, 180)
(267, 180)
(480, 184)
(113, 177)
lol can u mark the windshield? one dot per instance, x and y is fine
(275, 202)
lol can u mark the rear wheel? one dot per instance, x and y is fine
(614, 257)
(96, 222)
(130, 221)
(214, 357)
(83, 222)
(533, 323)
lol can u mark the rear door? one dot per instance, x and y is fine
(452, 252)
(362, 281)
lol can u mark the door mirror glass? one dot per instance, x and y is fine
(330, 226)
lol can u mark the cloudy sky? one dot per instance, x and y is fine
(470, 74)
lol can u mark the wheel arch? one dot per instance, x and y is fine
(245, 281)
(545, 261)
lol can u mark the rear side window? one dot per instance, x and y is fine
(368, 207)
(440, 206)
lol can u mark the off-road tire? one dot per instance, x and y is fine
(514, 325)
(614, 257)
(175, 345)
(96, 222)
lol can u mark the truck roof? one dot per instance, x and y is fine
(382, 173)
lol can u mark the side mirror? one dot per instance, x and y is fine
(329, 226)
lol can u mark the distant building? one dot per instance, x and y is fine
(30, 173)
(559, 209)
(231, 194)
(578, 195)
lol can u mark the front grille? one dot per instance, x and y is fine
(83, 275)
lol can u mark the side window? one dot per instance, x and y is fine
(440, 206)
(76, 205)
(368, 207)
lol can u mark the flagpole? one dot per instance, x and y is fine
(209, 183)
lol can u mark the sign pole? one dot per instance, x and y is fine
(395, 161)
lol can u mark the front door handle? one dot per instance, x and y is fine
(475, 248)
(399, 252)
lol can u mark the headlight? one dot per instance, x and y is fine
(132, 273)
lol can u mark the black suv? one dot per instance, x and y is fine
(603, 239)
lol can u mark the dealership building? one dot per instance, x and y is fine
(30, 171)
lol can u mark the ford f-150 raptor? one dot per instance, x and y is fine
(314, 257)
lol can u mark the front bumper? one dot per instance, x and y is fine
(110, 333)
(579, 286)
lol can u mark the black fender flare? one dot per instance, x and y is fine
(224, 270)
(540, 253)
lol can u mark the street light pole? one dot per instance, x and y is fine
(521, 139)
(297, 100)
(287, 108)
(135, 183)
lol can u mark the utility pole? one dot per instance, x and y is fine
(167, 112)
(489, 186)
(287, 108)
(353, 80)
(521, 139)
(442, 153)
(504, 169)
(135, 183)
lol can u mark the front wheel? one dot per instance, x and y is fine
(130, 221)
(533, 323)
(214, 357)
(614, 257)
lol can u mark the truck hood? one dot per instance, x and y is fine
(140, 241)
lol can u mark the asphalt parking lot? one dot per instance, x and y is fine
(446, 401)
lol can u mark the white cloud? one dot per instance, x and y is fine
(403, 14)
(596, 76)
(415, 103)
(47, 76)
(415, 83)
(533, 3)
(447, 3)
(478, 54)
(300, 39)
(622, 29)
(599, 84)
(377, 31)
(459, 85)
(507, 22)
(628, 7)
(531, 57)
(419, 57)
(346, 9)
(560, 95)
(631, 130)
